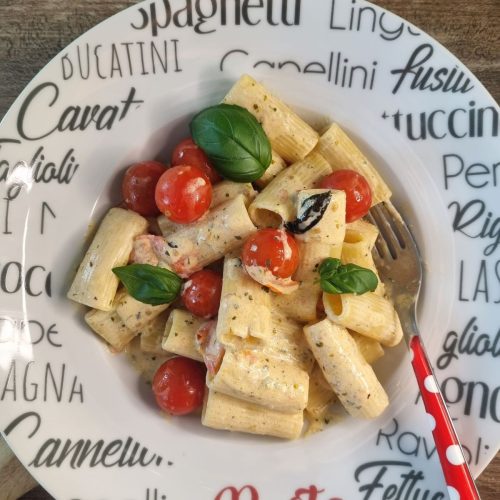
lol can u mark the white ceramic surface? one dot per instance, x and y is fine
(77, 415)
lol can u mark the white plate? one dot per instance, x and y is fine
(74, 414)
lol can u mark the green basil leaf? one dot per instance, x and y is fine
(336, 277)
(150, 284)
(328, 287)
(233, 140)
(328, 268)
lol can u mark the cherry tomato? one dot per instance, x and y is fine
(188, 153)
(138, 187)
(201, 293)
(357, 190)
(179, 385)
(183, 194)
(274, 249)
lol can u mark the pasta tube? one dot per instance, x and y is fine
(152, 334)
(367, 314)
(350, 376)
(277, 165)
(261, 379)
(221, 192)
(329, 227)
(195, 246)
(301, 305)
(275, 204)
(224, 412)
(95, 284)
(290, 136)
(361, 230)
(311, 256)
(321, 395)
(110, 327)
(135, 314)
(244, 305)
(287, 342)
(370, 349)
(338, 149)
(355, 251)
(146, 363)
(180, 334)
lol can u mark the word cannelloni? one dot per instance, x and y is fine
(256, 284)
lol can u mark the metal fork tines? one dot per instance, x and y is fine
(396, 254)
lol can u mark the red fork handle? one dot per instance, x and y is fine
(456, 472)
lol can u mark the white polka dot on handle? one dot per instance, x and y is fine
(430, 384)
(454, 455)
(431, 420)
(412, 355)
(453, 493)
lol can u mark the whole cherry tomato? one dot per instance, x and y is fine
(201, 293)
(188, 153)
(183, 194)
(179, 385)
(138, 187)
(357, 190)
(273, 249)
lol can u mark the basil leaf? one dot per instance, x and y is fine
(233, 140)
(150, 284)
(336, 277)
(328, 268)
(328, 287)
(311, 212)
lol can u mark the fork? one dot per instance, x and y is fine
(399, 263)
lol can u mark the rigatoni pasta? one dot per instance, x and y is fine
(275, 204)
(244, 307)
(368, 314)
(222, 192)
(135, 314)
(290, 136)
(224, 412)
(95, 285)
(339, 150)
(180, 334)
(262, 379)
(350, 376)
(277, 165)
(152, 334)
(109, 326)
(197, 245)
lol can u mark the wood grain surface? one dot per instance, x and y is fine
(32, 32)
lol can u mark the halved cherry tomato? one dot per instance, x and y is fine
(272, 249)
(183, 194)
(188, 153)
(357, 190)
(201, 293)
(179, 385)
(138, 187)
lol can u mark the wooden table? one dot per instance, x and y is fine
(33, 31)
